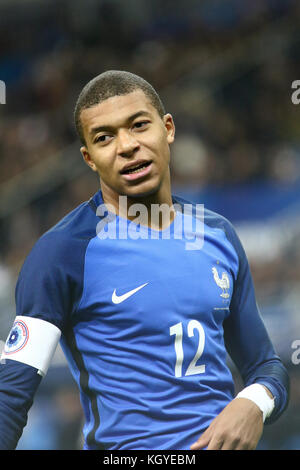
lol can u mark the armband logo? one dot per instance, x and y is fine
(17, 338)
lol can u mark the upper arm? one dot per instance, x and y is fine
(46, 293)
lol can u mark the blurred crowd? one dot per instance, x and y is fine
(224, 70)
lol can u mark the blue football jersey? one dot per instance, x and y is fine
(147, 321)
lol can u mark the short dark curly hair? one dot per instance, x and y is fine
(113, 83)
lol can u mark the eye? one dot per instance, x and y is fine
(140, 124)
(102, 139)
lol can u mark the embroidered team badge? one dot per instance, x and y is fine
(17, 338)
(222, 282)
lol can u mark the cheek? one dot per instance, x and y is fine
(164, 152)
(103, 163)
(160, 147)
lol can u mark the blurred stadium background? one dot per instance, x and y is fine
(224, 70)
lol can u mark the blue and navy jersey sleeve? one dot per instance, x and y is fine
(49, 288)
(18, 385)
(246, 338)
(46, 287)
(51, 279)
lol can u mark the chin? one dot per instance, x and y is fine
(142, 192)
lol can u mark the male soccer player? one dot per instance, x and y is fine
(145, 317)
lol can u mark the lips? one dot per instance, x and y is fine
(135, 167)
(136, 171)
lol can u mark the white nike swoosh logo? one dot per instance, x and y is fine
(117, 299)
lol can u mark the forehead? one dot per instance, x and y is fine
(115, 110)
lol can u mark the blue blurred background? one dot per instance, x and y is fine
(224, 70)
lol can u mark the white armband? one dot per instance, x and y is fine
(32, 341)
(258, 394)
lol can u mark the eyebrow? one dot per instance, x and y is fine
(131, 118)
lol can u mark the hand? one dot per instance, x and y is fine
(238, 427)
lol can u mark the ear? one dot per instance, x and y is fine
(170, 127)
(87, 158)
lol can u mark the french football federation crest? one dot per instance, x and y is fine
(222, 282)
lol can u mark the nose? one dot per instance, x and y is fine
(127, 143)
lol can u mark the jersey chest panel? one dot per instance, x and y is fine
(136, 291)
(149, 330)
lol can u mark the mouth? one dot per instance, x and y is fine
(136, 170)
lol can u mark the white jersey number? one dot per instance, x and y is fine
(177, 330)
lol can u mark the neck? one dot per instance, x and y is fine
(153, 210)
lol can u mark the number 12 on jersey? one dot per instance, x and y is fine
(177, 330)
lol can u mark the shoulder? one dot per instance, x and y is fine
(66, 239)
(215, 220)
(50, 282)
(211, 218)
(80, 223)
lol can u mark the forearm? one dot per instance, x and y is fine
(18, 384)
(273, 375)
(240, 424)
